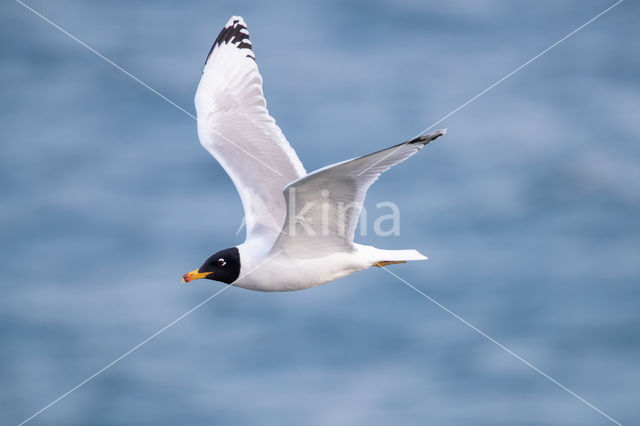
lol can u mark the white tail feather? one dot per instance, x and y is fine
(398, 255)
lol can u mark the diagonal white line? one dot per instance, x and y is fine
(101, 56)
(521, 66)
(136, 347)
(142, 83)
(501, 346)
(115, 361)
(498, 82)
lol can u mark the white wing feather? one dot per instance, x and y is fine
(323, 207)
(234, 125)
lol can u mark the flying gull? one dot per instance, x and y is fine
(300, 226)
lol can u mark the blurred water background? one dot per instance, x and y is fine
(528, 209)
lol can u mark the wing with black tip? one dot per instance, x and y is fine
(234, 125)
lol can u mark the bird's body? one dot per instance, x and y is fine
(265, 270)
(300, 226)
(300, 273)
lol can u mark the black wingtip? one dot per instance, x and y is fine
(425, 139)
(235, 32)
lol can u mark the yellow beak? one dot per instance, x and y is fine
(193, 275)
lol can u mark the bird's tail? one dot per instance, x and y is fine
(389, 257)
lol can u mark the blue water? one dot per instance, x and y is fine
(528, 209)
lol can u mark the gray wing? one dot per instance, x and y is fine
(323, 207)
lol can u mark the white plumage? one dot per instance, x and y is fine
(300, 227)
(236, 128)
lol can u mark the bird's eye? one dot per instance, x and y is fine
(221, 262)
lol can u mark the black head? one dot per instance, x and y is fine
(223, 266)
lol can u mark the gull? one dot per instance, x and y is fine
(299, 226)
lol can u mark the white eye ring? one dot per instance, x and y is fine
(221, 262)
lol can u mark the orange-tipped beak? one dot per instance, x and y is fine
(193, 275)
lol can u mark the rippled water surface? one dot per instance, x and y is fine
(528, 209)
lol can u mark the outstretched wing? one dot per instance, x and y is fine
(324, 206)
(236, 128)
